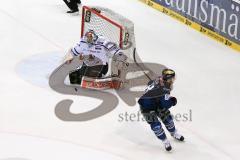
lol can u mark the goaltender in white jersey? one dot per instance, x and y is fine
(95, 52)
(100, 48)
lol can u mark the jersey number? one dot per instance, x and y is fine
(150, 87)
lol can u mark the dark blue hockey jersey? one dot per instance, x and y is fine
(157, 95)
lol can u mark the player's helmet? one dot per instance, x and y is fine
(168, 74)
(90, 36)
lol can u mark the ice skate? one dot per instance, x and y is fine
(167, 145)
(178, 136)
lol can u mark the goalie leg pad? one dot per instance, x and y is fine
(119, 66)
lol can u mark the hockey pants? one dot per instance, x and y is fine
(89, 71)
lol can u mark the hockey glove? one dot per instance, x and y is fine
(174, 101)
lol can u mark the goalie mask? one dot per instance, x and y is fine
(90, 36)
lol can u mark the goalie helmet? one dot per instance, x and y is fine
(168, 74)
(90, 36)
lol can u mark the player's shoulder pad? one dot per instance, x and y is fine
(100, 40)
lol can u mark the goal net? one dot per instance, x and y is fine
(114, 27)
(111, 25)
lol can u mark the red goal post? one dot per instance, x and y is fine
(93, 19)
(116, 28)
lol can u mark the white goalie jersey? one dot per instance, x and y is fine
(97, 53)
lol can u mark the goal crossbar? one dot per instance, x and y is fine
(103, 17)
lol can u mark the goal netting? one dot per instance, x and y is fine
(114, 27)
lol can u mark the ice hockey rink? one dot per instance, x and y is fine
(35, 34)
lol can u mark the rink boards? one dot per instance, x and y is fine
(218, 27)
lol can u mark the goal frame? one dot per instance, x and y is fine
(84, 8)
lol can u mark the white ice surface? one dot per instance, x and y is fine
(34, 34)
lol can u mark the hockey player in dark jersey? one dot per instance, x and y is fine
(155, 105)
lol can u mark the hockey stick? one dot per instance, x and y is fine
(134, 58)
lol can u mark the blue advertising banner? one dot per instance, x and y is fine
(219, 19)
